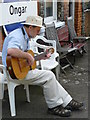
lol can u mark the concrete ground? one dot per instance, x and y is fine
(76, 83)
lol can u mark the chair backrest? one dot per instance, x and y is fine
(11, 27)
(40, 41)
(71, 27)
(63, 35)
(51, 34)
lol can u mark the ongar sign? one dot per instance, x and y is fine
(17, 10)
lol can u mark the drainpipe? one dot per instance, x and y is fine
(71, 8)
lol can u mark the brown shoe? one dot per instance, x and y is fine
(60, 111)
(74, 105)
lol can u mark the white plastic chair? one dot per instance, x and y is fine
(2, 81)
(50, 63)
(11, 84)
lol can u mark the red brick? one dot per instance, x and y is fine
(78, 17)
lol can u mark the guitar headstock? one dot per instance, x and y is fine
(51, 50)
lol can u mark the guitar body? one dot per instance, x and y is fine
(18, 67)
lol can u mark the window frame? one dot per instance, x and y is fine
(54, 16)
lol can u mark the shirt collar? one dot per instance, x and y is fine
(26, 35)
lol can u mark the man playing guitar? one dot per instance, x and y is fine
(58, 100)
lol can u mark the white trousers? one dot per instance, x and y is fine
(54, 93)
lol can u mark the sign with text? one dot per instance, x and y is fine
(16, 11)
(14, 0)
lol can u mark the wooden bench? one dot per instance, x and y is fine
(63, 36)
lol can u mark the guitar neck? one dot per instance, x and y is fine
(39, 57)
(44, 54)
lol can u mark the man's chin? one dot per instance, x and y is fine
(34, 36)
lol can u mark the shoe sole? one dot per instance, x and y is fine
(61, 115)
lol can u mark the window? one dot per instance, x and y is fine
(48, 9)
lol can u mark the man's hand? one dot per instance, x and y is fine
(14, 52)
(48, 55)
(30, 59)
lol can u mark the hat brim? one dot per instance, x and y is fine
(32, 24)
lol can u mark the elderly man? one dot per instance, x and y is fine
(58, 100)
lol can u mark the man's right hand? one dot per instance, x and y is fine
(30, 59)
(14, 52)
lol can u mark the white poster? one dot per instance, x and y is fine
(16, 11)
(6, 1)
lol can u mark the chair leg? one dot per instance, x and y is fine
(83, 50)
(27, 93)
(57, 72)
(2, 83)
(74, 55)
(70, 63)
(62, 70)
(1, 90)
(11, 87)
(80, 52)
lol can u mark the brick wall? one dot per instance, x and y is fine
(87, 23)
(78, 17)
(62, 10)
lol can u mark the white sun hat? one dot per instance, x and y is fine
(34, 21)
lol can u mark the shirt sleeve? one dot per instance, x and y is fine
(14, 43)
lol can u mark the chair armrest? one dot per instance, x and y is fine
(3, 68)
(64, 41)
(56, 55)
(53, 42)
(72, 49)
(81, 38)
(41, 46)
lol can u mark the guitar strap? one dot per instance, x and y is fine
(23, 31)
(24, 36)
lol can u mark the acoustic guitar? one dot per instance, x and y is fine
(18, 67)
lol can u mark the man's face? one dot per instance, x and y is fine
(33, 31)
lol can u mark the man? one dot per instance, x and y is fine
(59, 102)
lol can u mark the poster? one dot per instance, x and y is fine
(6, 1)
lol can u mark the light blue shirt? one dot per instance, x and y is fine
(15, 39)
